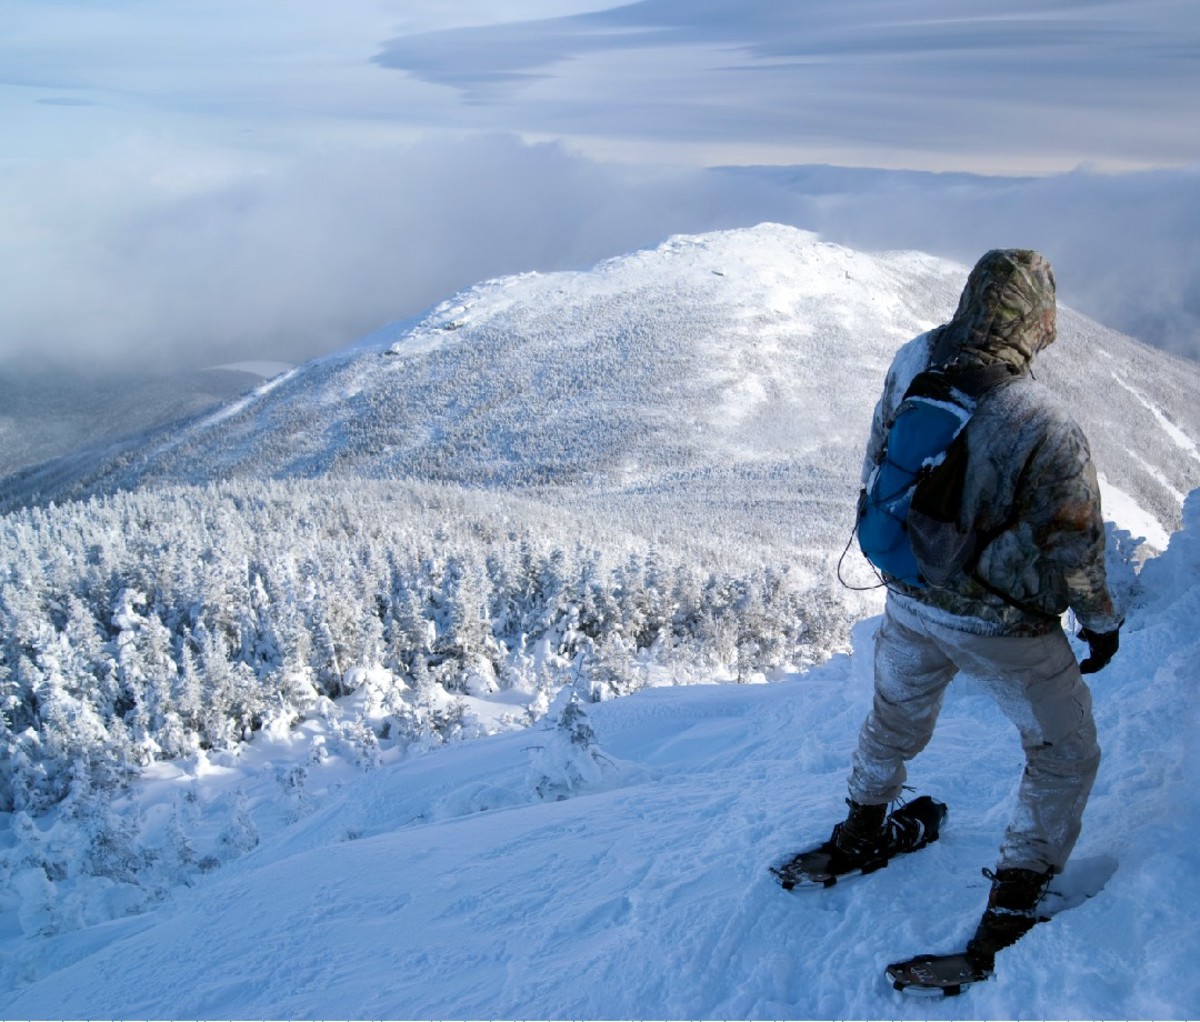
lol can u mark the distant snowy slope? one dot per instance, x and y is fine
(447, 886)
(85, 408)
(743, 361)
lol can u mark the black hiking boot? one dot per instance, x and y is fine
(864, 842)
(859, 837)
(870, 836)
(1011, 913)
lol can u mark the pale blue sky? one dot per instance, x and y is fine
(268, 178)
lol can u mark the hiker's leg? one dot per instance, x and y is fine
(1037, 684)
(911, 675)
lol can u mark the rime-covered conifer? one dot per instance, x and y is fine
(154, 624)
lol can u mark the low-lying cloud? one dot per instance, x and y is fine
(300, 260)
(294, 262)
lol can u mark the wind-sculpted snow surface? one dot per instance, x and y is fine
(449, 886)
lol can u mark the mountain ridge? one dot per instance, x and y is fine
(744, 358)
(307, 858)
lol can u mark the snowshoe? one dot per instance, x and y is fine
(910, 827)
(936, 975)
(1019, 900)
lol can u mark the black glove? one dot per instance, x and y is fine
(1102, 646)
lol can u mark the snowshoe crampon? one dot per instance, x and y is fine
(910, 827)
(936, 975)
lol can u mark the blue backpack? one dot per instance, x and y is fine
(908, 515)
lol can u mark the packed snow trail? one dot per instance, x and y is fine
(443, 886)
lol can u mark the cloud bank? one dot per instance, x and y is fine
(296, 261)
(215, 180)
(1125, 247)
(300, 260)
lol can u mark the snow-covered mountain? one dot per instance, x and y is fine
(217, 687)
(739, 362)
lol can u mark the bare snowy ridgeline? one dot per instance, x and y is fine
(640, 474)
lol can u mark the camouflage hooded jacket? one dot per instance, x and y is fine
(1030, 484)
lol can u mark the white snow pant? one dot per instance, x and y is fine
(1037, 684)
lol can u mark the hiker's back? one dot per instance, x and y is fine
(910, 521)
(1027, 468)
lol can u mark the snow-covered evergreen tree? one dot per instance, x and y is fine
(568, 760)
(155, 624)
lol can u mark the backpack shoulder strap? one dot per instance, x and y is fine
(977, 380)
(953, 383)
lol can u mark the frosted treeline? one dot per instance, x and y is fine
(155, 624)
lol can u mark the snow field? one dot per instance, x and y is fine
(443, 886)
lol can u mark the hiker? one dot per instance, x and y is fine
(1030, 493)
